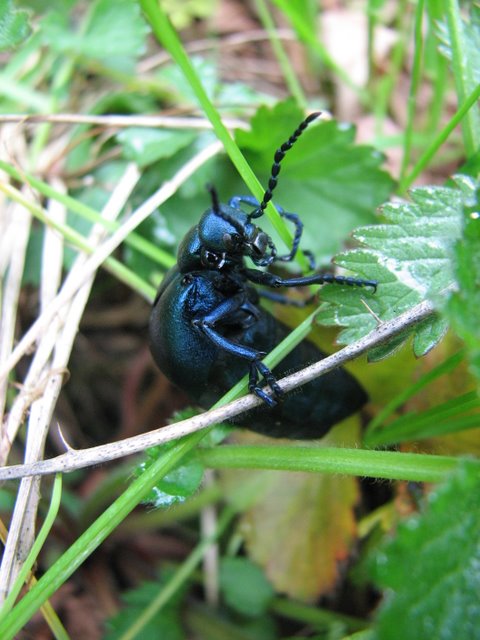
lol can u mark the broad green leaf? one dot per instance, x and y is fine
(329, 181)
(165, 624)
(244, 586)
(463, 306)
(178, 484)
(411, 258)
(430, 569)
(173, 76)
(115, 30)
(145, 146)
(300, 530)
(14, 25)
(113, 33)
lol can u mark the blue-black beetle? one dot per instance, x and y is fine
(207, 329)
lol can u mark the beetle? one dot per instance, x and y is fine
(207, 327)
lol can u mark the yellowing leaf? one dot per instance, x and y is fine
(301, 530)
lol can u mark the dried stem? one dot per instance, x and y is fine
(77, 459)
(72, 285)
(170, 122)
(49, 363)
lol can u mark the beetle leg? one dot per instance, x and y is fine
(274, 281)
(236, 201)
(292, 217)
(253, 386)
(225, 312)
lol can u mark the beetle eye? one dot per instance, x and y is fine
(212, 260)
(233, 242)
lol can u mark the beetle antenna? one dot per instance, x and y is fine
(277, 159)
(215, 201)
(217, 210)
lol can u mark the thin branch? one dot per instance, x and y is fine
(170, 122)
(198, 46)
(77, 459)
(59, 336)
(70, 287)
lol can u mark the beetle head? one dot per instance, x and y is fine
(227, 235)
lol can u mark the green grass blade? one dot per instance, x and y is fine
(84, 546)
(168, 37)
(414, 86)
(291, 80)
(440, 139)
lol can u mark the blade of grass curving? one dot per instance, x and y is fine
(133, 239)
(308, 35)
(447, 417)
(119, 270)
(167, 36)
(47, 610)
(443, 368)
(36, 547)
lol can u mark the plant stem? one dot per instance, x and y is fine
(429, 153)
(415, 83)
(288, 72)
(391, 465)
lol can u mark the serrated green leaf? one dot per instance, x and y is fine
(177, 485)
(245, 587)
(14, 26)
(471, 45)
(427, 334)
(411, 258)
(464, 304)
(145, 146)
(332, 183)
(431, 567)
